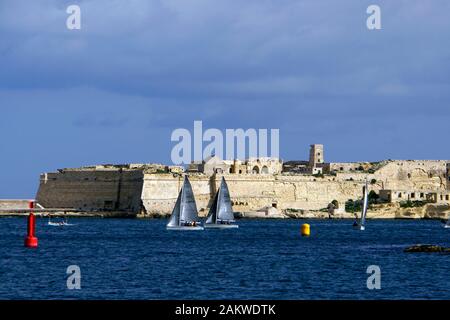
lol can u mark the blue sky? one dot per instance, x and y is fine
(114, 91)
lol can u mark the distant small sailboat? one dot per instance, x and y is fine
(58, 224)
(361, 225)
(221, 214)
(447, 225)
(185, 213)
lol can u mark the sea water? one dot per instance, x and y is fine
(263, 259)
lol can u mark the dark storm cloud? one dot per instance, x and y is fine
(114, 90)
(243, 49)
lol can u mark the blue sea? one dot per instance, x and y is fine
(264, 259)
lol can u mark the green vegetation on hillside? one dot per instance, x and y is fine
(412, 204)
(356, 205)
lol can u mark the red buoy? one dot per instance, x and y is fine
(31, 241)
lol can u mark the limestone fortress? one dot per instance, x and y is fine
(264, 187)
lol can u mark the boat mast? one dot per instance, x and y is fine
(365, 204)
(217, 204)
(182, 201)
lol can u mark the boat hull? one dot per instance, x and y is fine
(55, 224)
(186, 228)
(359, 227)
(221, 226)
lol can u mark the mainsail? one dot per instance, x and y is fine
(189, 212)
(175, 218)
(185, 210)
(212, 216)
(365, 205)
(221, 210)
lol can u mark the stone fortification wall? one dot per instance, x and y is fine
(350, 166)
(13, 204)
(160, 191)
(250, 192)
(413, 175)
(131, 190)
(104, 189)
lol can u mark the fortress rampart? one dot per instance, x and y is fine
(138, 189)
(108, 189)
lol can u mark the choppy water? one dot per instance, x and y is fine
(264, 259)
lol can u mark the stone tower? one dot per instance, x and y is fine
(316, 155)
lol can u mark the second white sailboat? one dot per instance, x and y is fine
(361, 225)
(221, 214)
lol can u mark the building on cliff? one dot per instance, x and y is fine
(214, 164)
(254, 184)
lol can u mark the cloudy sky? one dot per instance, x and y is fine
(114, 91)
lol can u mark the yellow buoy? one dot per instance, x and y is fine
(306, 230)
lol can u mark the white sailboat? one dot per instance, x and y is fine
(447, 225)
(361, 225)
(185, 213)
(221, 214)
(58, 224)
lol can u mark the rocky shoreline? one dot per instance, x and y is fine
(70, 214)
(380, 211)
(427, 248)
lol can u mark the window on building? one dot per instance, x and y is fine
(422, 195)
(447, 197)
(413, 195)
(442, 197)
(399, 194)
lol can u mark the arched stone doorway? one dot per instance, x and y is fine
(265, 170)
(255, 170)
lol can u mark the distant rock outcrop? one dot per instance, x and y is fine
(427, 248)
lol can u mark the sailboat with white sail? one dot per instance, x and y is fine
(185, 213)
(361, 225)
(221, 214)
(62, 223)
